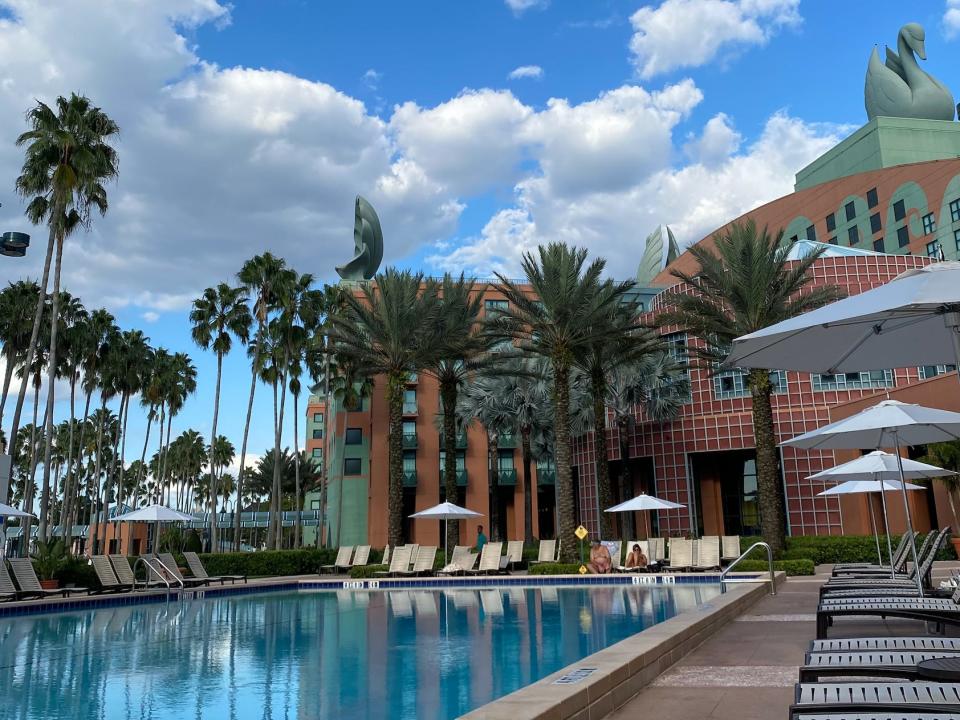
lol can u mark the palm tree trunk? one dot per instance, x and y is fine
(68, 480)
(528, 488)
(277, 491)
(623, 429)
(395, 385)
(143, 455)
(32, 347)
(166, 452)
(448, 398)
(75, 501)
(214, 530)
(28, 489)
(51, 386)
(243, 458)
(324, 476)
(296, 472)
(111, 473)
(93, 530)
(598, 388)
(7, 376)
(561, 428)
(493, 450)
(271, 528)
(769, 491)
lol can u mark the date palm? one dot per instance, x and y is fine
(742, 284)
(67, 159)
(385, 329)
(219, 315)
(564, 316)
(18, 302)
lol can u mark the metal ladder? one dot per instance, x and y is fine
(724, 581)
(148, 567)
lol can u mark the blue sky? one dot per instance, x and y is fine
(250, 127)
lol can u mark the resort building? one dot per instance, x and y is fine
(884, 200)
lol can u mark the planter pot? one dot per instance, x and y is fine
(50, 584)
(956, 545)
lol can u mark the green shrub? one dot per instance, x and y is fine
(367, 571)
(192, 542)
(269, 562)
(790, 567)
(555, 569)
(77, 572)
(49, 558)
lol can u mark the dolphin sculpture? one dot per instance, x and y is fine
(367, 244)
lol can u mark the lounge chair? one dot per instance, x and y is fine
(361, 556)
(729, 548)
(681, 555)
(868, 663)
(109, 582)
(850, 699)
(878, 571)
(8, 590)
(657, 550)
(546, 553)
(200, 572)
(342, 562)
(489, 559)
(935, 610)
(615, 548)
(708, 554)
(123, 571)
(893, 643)
(27, 579)
(461, 561)
(514, 555)
(423, 565)
(399, 562)
(385, 560)
(900, 557)
(170, 564)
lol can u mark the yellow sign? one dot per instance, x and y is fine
(583, 569)
(581, 532)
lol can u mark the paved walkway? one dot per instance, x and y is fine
(748, 669)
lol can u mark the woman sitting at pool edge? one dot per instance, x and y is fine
(600, 562)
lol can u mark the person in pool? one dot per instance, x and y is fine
(600, 562)
(481, 538)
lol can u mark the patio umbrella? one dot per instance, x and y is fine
(644, 502)
(446, 511)
(912, 320)
(889, 423)
(864, 474)
(10, 511)
(156, 514)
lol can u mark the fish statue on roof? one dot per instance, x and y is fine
(367, 244)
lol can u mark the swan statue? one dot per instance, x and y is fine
(367, 243)
(900, 88)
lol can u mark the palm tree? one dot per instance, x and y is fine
(459, 350)
(385, 329)
(17, 303)
(218, 315)
(946, 455)
(181, 384)
(562, 317)
(68, 157)
(262, 276)
(743, 284)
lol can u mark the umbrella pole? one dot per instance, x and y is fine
(886, 527)
(873, 524)
(906, 509)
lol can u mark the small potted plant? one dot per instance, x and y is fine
(48, 559)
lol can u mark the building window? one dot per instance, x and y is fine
(853, 234)
(353, 436)
(461, 461)
(875, 224)
(811, 233)
(733, 383)
(853, 380)
(410, 401)
(317, 453)
(932, 249)
(955, 210)
(929, 371)
(318, 417)
(832, 241)
(899, 210)
(929, 223)
(318, 434)
(677, 344)
(956, 238)
(831, 222)
(878, 245)
(409, 461)
(351, 466)
(794, 238)
(872, 198)
(850, 210)
(903, 236)
(492, 306)
(505, 460)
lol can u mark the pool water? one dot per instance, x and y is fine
(323, 654)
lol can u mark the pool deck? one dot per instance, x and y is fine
(747, 670)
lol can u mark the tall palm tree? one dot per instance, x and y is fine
(219, 315)
(68, 158)
(181, 384)
(742, 284)
(263, 277)
(17, 304)
(562, 317)
(385, 329)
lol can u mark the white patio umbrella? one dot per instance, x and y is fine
(912, 320)
(446, 511)
(10, 511)
(889, 423)
(644, 502)
(877, 471)
(156, 514)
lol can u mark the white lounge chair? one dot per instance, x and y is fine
(730, 548)
(514, 555)
(547, 552)
(708, 553)
(657, 550)
(399, 562)
(489, 559)
(681, 554)
(341, 563)
(423, 565)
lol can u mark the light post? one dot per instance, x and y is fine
(14, 244)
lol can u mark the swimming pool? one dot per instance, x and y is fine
(337, 654)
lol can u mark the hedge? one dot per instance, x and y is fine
(367, 571)
(790, 567)
(555, 569)
(269, 562)
(822, 549)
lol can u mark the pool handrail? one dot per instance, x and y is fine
(723, 575)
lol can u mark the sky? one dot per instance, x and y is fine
(477, 130)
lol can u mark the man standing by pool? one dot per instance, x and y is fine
(481, 538)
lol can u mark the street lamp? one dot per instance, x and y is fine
(14, 244)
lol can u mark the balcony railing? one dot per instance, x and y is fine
(409, 478)
(546, 476)
(507, 440)
(507, 476)
(461, 439)
(413, 378)
(409, 440)
(461, 478)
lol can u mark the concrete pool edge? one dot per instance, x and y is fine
(622, 670)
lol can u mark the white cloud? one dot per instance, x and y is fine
(690, 33)
(520, 6)
(716, 143)
(150, 316)
(951, 19)
(372, 78)
(534, 72)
